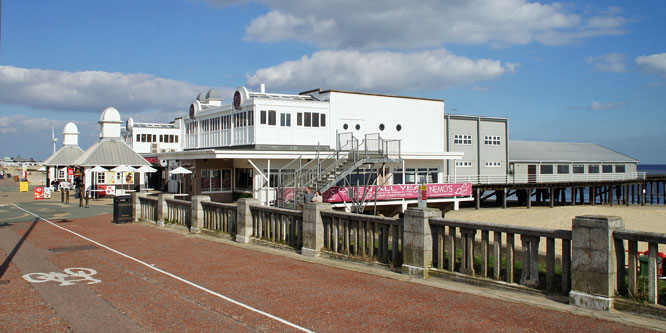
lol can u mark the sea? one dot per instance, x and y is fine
(652, 169)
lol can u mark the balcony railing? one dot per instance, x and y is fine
(560, 178)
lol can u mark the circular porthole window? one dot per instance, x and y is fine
(345, 126)
(398, 127)
(358, 127)
(381, 127)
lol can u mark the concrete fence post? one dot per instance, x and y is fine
(136, 206)
(313, 228)
(593, 261)
(198, 213)
(244, 219)
(417, 242)
(162, 212)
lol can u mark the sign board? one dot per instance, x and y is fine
(397, 192)
(23, 186)
(47, 193)
(108, 189)
(423, 195)
(39, 193)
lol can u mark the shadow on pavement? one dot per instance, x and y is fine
(5, 265)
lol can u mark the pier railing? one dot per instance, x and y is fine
(219, 217)
(455, 247)
(596, 263)
(640, 272)
(558, 178)
(363, 237)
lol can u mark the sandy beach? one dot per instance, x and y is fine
(650, 218)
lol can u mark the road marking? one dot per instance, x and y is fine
(83, 274)
(230, 300)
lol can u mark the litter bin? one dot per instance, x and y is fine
(122, 209)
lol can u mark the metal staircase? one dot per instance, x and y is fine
(320, 174)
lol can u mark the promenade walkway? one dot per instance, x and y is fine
(136, 277)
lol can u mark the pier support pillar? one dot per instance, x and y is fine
(529, 198)
(573, 196)
(477, 198)
(551, 197)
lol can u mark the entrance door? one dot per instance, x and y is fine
(531, 173)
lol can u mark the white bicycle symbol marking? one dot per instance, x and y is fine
(80, 274)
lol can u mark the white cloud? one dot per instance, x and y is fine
(22, 124)
(609, 62)
(344, 24)
(380, 71)
(653, 64)
(92, 91)
(597, 106)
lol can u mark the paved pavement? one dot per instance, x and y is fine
(136, 277)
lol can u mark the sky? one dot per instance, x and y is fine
(570, 71)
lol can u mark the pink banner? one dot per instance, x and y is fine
(396, 192)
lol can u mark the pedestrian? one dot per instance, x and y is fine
(307, 197)
(317, 197)
(77, 186)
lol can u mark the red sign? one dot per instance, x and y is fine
(152, 160)
(39, 193)
(70, 172)
(396, 192)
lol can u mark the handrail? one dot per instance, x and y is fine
(528, 179)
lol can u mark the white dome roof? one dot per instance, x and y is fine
(213, 94)
(70, 128)
(110, 114)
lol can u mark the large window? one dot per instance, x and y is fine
(310, 119)
(462, 139)
(492, 140)
(592, 169)
(271, 118)
(563, 169)
(262, 117)
(546, 169)
(620, 168)
(215, 180)
(285, 119)
(243, 181)
(607, 168)
(578, 168)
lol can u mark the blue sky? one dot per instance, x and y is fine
(568, 71)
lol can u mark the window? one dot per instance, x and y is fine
(562, 168)
(101, 177)
(138, 138)
(226, 180)
(322, 121)
(308, 119)
(493, 164)
(205, 180)
(345, 126)
(176, 138)
(299, 119)
(397, 176)
(358, 127)
(381, 127)
(619, 168)
(161, 137)
(285, 119)
(398, 127)
(607, 168)
(243, 179)
(271, 118)
(150, 138)
(462, 139)
(426, 175)
(578, 168)
(143, 138)
(492, 140)
(250, 116)
(215, 180)
(546, 169)
(315, 119)
(262, 118)
(273, 177)
(463, 164)
(592, 169)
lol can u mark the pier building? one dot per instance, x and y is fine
(60, 165)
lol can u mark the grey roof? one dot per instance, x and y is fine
(110, 152)
(533, 151)
(64, 156)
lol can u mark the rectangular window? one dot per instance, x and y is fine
(215, 180)
(592, 169)
(243, 179)
(226, 180)
(563, 169)
(322, 121)
(154, 137)
(546, 169)
(607, 168)
(462, 139)
(138, 138)
(578, 168)
(205, 180)
(397, 176)
(299, 119)
(410, 176)
(619, 168)
(283, 119)
(176, 138)
(161, 137)
(150, 138)
(492, 140)
(251, 117)
(143, 138)
(262, 117)
(463, 164)
(271, 118)
(308, 119)
(315, 119)
(289, 119)
(101, 177)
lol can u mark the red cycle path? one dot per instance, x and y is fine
(314, 296)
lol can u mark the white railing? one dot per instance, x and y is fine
(221, 138)
(560, 178)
